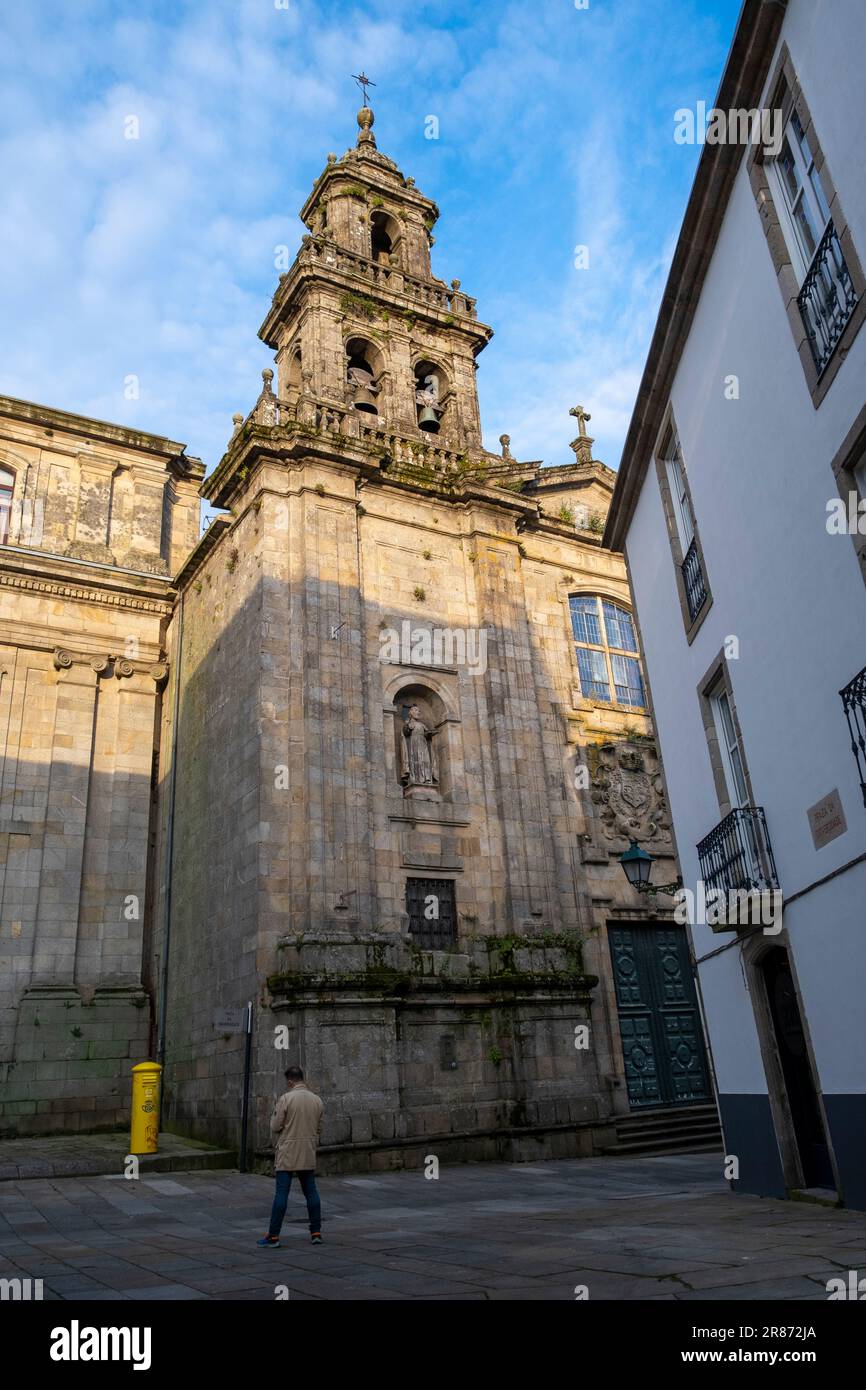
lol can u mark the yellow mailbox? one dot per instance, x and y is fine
(145, 1108)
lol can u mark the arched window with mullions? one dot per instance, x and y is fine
(607, 654)
(7, 487)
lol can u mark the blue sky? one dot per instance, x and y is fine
(155, 257)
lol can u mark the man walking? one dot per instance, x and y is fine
(296, 1125)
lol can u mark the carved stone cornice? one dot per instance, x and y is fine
(112, 597)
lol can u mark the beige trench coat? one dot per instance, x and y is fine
(296, 1125)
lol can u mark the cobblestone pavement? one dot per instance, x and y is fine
(649, 1228)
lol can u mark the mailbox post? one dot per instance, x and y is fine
(144, 1133)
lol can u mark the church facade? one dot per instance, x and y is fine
(382, 740)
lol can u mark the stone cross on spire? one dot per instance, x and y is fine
(365, 115)
(582, 446)
(363, 82)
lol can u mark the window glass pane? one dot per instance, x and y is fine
(818, 189)
(727, 722)
(805, 224)
(800, 136)
(615, 629)
(787, 166)
(732, 755)
(7, 481)
(585, 620)
(682, 510)
(627, 681)
(619, 627)
(593, 674)
(739, 776)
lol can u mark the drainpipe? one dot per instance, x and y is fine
(169, 856)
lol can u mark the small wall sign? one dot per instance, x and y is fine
(827, 819)
(229, 1020)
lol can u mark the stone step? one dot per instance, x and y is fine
(682, 1129)
(665, 1146)
(706, 1122)
(667, 1116)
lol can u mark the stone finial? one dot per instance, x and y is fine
(267, 412)
(237, 421)
(365, 124)
(455, 284)
(505, 441)
(582, 446)
(332, 159)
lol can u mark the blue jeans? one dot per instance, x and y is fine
(307, 1179)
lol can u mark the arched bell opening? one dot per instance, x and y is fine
(362, 370)
(430, 393)
(293, 368)
(384, 236)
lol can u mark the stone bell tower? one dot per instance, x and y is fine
(361, 320)
(382, 831)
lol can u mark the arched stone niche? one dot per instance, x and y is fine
(421, 752)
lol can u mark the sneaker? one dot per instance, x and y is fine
(269, 1240)
(316, 1237)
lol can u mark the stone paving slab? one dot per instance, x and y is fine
(629, 1229)
(82, 1155)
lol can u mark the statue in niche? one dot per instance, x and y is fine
(419, 764)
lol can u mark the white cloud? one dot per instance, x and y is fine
(155, 256)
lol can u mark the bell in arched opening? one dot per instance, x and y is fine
(428, 396)
(361, 377)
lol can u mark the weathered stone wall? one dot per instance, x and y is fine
(74, 816)
(98, 492)
(81, 667)
(214, 953)
(288, 761)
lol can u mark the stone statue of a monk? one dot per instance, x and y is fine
(417, 754)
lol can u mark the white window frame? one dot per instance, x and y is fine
(730, 747)
(7, 484)
(672, 456)
(810, 196)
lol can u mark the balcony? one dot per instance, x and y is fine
(854, 705)
(693, 579)
(737, 855)
(827, 299)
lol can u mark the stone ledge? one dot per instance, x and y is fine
(520, 1144)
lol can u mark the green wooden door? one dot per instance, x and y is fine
(662, 1039)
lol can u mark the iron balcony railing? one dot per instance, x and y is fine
(737, 854)
(827, 299)
(854, 705)
(693, 579)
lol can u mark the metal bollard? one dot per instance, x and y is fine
(145, 1108)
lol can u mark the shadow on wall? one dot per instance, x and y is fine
(294, 821)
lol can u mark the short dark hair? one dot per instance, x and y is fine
(294, 1074)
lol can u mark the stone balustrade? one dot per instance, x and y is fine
(425, 292)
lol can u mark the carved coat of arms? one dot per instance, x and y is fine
(629, 795)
